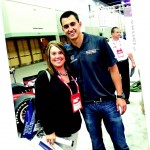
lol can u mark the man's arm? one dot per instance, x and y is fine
(132, 60)
(120, 103)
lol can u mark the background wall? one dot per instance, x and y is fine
(44, 17)
(8, 128)
(142, 32)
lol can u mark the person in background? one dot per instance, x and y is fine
(94, 65)
(57, 99)
(124, 35)
(123, 53)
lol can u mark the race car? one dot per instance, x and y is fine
(22, 95)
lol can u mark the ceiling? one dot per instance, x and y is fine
(114, 2)
(121, 6)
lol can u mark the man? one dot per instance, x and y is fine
(122, 53)
(94, 64)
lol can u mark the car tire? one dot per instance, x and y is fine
(18, 88)
(21, 105)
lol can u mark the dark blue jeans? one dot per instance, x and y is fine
(93, 114)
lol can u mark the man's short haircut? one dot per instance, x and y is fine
(66, 14)
(113, 29)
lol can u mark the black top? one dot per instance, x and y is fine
(90, 62)
(53, 105)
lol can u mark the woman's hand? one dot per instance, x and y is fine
(51, 138)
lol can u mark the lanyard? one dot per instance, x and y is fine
(68, 85)
(115, 44)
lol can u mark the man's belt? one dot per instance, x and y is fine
(123, 60)
(96, 100)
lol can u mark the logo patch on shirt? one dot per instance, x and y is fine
(92, 51)
(72, 57)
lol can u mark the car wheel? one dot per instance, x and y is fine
(18, 88)
(21, 105)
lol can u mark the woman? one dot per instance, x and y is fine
(58, 100)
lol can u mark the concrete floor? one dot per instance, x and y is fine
(134, 120)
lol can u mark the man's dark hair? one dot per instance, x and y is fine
(66, 14)
(113, 29)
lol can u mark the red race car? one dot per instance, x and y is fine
(22, 95)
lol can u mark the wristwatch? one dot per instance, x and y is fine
(121, 96)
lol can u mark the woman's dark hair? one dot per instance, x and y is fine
(47, 52)
(66, 14)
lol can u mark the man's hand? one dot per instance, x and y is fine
(121, 105)
(133, 64)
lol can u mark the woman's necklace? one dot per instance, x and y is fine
(63, 74)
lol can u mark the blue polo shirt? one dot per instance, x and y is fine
(90, 63)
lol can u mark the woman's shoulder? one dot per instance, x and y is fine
(41, 72)
(41, 76)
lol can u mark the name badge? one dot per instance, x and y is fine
(120, 53)
(76, 102)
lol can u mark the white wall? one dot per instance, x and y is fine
(38, 17)
(141, 22)
(8, 130)
(26, 20)
(130, 35)
(41, 17)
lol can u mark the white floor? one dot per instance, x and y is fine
(134, 120)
